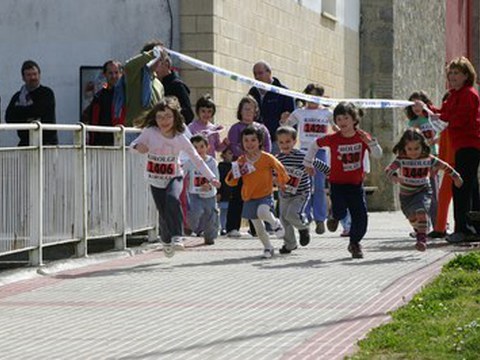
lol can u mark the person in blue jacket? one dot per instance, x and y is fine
(273, 106)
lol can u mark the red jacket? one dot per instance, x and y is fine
(462, 112)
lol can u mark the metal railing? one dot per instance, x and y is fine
(71, 193)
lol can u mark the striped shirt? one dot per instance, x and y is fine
(414, 174)
(300, 182)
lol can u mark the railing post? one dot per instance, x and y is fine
(82, 185)
(36, 198)
(121, 241)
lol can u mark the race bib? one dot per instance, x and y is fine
(295, 175)
(161, 169)
(197, 182)
(239, 170)
(415, 172)
(427, 130)
(350, 156)
(313, 128)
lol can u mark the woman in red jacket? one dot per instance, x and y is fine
(462, 112)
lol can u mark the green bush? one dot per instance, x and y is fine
(467, 262)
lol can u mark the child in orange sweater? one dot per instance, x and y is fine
(256, 168)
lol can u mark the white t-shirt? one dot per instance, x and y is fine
(163, 157)
(311, 124)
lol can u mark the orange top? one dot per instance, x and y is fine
(259, 183)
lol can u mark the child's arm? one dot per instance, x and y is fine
(321, 166)
(391, 171)
(282, 176)
(291, 121)
(447, 169)
(141, 143)
(373, 145)
(310, 156)
(230, 180)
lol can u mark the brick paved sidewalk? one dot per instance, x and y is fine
(219, 302)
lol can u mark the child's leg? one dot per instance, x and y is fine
(290, 242)
(159, 199)
(319, 198)
(358, 211)
(264, 213)
(412, 219)
(210, 219)
(422, 222)
(262, 233)
(338, 201)
(173, 209)
(195, 213)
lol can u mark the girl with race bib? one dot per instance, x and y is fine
(412, 169)
(314, 121)
(295, 195)
(347, 151)
(255, 168)
(162, 139)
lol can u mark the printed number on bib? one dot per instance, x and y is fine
(295, 175)
(161, 169)
(415, 172)
(198, 182)
(351, 156)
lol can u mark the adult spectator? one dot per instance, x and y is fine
(174, 86)
(461, 110)
(273, 106)
(139, 89)
(34, 102)
(99, 112)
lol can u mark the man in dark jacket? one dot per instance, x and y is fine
(273, 106)
(174, 86)
(34, 102)
(100, 110)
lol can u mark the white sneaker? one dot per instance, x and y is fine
(178, 243)
(279, 230)
(168, 249)
(234, 234)
(267, 253)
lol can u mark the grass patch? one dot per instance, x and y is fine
(441, 322)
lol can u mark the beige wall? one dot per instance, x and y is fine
(301, 46)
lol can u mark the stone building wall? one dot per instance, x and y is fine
(402, 49)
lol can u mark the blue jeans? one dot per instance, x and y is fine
(203, 215)
(317, 206)
(223, 206)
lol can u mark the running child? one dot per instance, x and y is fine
(314, 121)
(255, 168)
(202, 215)
(295, 195)
(162, 139)
(412, 169)
(248, 113)
(205, 110)
(347, 151)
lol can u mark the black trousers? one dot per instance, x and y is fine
(466, 198)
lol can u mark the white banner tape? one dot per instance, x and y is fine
(364, 103)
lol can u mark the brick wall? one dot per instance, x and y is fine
(301, 46)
